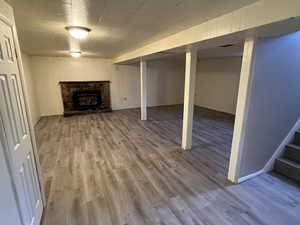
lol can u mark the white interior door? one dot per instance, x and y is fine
(16, 132)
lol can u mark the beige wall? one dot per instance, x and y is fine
(217, 83)
(29, 82)
(165, 81)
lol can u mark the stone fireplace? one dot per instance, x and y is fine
(85, 96)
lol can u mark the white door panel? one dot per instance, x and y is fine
(9, 213)
(16, 132)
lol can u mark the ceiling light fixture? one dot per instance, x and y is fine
(75, 54)
(78, 32)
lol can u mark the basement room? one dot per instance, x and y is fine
(147, 112)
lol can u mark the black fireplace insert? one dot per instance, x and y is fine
(84, 100)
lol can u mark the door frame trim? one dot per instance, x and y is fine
(11, 24)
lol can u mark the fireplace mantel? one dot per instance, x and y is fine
(82, 82)
(70, 88)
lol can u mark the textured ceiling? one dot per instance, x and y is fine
(117, 25)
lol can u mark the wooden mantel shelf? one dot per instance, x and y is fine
(77, 82)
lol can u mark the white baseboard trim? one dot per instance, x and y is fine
(278, 153)
(280, 150)
(252, 175)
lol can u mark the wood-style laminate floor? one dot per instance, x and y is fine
(113, 169)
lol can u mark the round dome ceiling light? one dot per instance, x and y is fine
(78, 32)
(75, 54)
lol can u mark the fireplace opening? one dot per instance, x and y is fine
(84, 100)
(82, 97)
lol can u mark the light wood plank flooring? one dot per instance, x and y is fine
(113, 169)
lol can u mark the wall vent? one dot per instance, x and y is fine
(226, 46)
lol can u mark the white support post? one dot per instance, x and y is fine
(189, 94)
(143, 71)
(242, 109)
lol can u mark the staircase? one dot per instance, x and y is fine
(289, 164)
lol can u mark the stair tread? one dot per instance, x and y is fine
(297, 147)
(289, 162)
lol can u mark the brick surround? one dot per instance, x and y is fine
(69, 87)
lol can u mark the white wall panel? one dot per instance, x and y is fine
(260, 13)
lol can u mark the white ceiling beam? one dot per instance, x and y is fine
(248, 18)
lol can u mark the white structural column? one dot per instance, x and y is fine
(143, 70)
(245, 87)
(189, 94)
